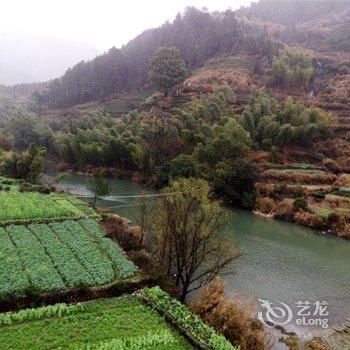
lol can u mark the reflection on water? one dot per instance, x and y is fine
(280, 261)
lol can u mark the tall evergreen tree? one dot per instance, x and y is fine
(167, 68)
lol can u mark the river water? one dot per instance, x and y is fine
(280, 261)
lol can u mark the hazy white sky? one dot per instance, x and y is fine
(100, 23)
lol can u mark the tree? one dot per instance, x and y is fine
(99, 187)
(142, 215)
(235, 183)
(27, 165)
(187, 224)
(167, 68)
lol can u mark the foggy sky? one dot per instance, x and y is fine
(40, 39)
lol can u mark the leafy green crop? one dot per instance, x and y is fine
(164, 337)
(117, 323)
(25, 207)
(181, 315)
(43, 276)
(12, 278)
(58, 256)
(88, 253)
(126, 267)
(57, 310)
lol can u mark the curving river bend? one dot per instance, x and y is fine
(280, 261)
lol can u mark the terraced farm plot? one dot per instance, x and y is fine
(119, 323)
(17, 207)
(58, 256)
(298, 170)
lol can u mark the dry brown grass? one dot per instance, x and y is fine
(265, 205)
(230, 317)
(299, 178)
(238, 78)
(304, 218)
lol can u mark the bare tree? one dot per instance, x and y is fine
(142, 215)
(187, 225)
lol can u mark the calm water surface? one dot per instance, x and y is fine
(280, 261)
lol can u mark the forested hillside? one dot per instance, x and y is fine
(198, 34)
(237, 98)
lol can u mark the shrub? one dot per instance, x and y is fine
(332, 165)
(265, 205)
(285, 211)
(319, 194)
(308, 219)
(27, 187)
(44, 189)
(300, 203)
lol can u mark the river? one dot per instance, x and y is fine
(280, 261)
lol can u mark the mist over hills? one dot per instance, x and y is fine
(28, 59)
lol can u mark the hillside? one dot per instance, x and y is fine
(210, 112)
(284, 102)
(199, 35)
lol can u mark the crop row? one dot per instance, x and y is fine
(57, 310)
(301, 178)
(117, 323)
(33, 205)
(163, 338)
(42, 274)
(58, 256)
(63, 259)
(184, 318)
(88, 253)
(125, 267)
(12, 278)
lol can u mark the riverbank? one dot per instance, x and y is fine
(280, 207)
(280, 261)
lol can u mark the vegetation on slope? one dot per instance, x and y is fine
(198, 34)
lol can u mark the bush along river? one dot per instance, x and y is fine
(302, 278)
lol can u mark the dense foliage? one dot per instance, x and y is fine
(167, 68)
(291, 68)
(271, 123)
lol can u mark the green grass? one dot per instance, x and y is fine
(124, 320)
(25, 207)
(58, 256)
(322, 212)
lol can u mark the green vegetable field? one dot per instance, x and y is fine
(58, 256)
(119, 323)
(53, 243)
(23, 207)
